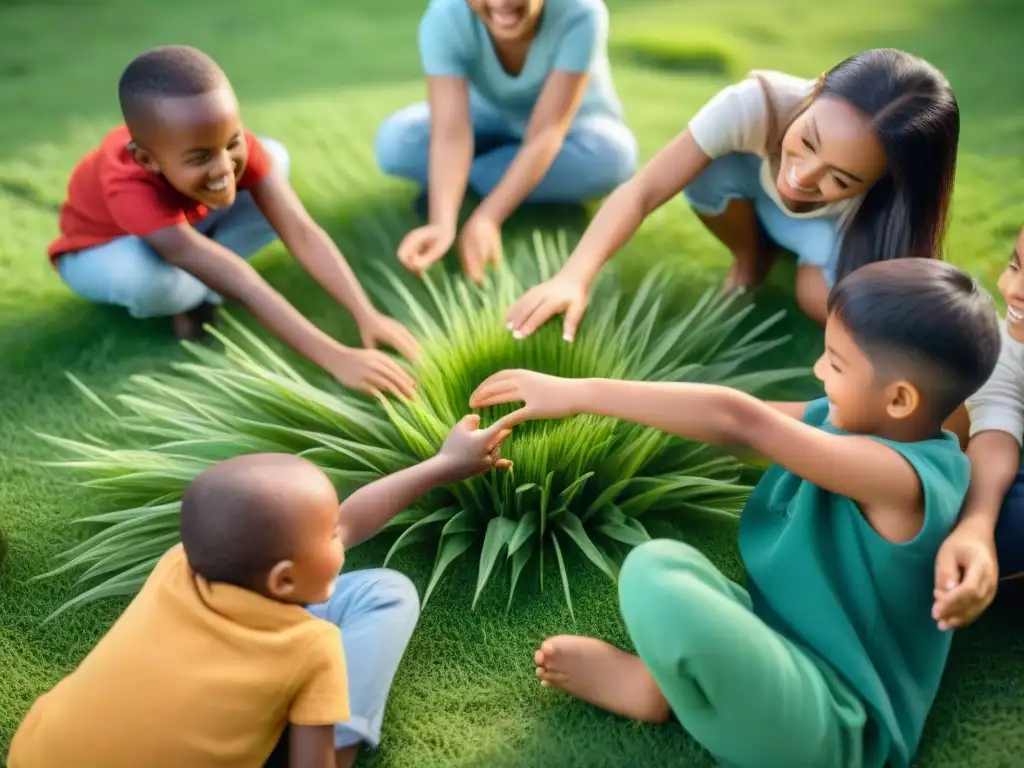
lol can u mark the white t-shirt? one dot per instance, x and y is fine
(999, 404)
(737, 119)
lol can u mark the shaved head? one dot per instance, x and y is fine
(167, 72)
(241, 517)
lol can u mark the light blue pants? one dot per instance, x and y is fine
(599, 153)
(737, 176)
(128, 273)
(376, 610)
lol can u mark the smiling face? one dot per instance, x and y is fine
(1011, 285)
(862, 397)
(197, 144)
(829, 153)
(849, 379)
(509, 20)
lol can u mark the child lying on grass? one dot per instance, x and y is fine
(987, 548)
(832, 657)
(162, 216)
(235, 633)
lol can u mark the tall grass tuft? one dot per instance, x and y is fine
(587, 483)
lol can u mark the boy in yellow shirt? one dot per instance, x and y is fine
(235, 633)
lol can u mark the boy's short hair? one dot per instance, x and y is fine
(924, 320)
(167, 71)
(235, 522)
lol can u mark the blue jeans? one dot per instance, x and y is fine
(599, 153)
(1010, 534)
(376, 611)
(737, 176)
(128, 273)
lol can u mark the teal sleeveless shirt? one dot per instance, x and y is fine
(820, 575)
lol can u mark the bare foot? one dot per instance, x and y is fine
(747, 274)
(188, 326)
(602, 675)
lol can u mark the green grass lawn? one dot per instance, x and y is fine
(320, 75)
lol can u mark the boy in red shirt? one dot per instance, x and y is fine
(161, 217)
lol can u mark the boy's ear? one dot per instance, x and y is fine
(143, 157)
(904, 399)
(280, 581)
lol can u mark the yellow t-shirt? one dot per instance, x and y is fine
(192, 674)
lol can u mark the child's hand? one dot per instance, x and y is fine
(544, 397)
(380, 329)
(966, 577)
(423, 246)
(479, 245)
(469, 451)
(370, 371)
(559, 295)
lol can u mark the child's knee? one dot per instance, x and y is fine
(396, 592)
(159, 292)
(650, 577)
(280, 159)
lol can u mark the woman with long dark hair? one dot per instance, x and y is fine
(853, 167)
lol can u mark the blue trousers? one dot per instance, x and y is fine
(1010, 537)
(599, 153)
(376, 611)
(128, 273)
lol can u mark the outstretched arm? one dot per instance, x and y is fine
(618, 219)
(859, 468)
(466, 452)
(320, 257)
(231, 276)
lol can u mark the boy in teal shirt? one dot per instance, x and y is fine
(831, 658)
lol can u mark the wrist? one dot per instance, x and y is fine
(328, 350)
(979, 520)
(442, 469)
(578, 272)
(586, 396)
(491, 210)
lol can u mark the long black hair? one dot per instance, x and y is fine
(916, 117)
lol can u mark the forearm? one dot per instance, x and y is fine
(369, 509)
(615, 223)
(278, 316)
(451, 155)
(701, 412)
(995, 461)
(660, 180)
(528, 167)
(320, 257)
(233, 277)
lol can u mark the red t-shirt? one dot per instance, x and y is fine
(110, 195)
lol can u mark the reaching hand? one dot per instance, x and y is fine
(469, 451)
(423, 246)
(966, 577)
(544, 397)
(370, 371)
(479, 245)
(542, 302)
(380, 329)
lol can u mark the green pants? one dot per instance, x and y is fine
(745, 693)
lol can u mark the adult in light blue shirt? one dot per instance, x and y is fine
(521, 107)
